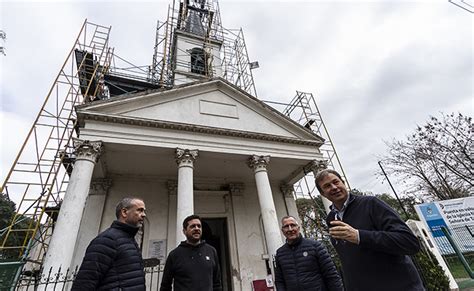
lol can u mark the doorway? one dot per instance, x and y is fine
(214, 232)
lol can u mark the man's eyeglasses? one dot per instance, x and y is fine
(287, 226)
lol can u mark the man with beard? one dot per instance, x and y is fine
(194, 264)
(303, 264)
(372, 241)
(113, 260)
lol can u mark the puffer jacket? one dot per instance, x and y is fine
(112, 261)
(305, 265)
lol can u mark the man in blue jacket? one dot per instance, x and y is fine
(113, 260)
(372, 241)
(303, 264)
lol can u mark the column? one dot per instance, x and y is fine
(289, 194)
(185, 198)
(91, 218)
(316, 166)
(267, 206)
(172, 206)
(63, 240)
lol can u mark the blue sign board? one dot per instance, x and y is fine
(433, 218)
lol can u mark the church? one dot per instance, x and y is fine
(199, 142)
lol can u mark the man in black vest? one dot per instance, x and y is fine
(113, 260)
(372, 241)
(194, 264)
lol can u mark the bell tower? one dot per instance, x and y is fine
(197, 42)
(192, 45)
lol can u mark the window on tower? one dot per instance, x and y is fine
(198, 61)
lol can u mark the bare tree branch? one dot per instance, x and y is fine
(436, 161)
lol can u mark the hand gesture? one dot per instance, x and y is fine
(342, 231)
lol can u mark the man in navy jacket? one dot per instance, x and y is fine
(113, 260)
(372, 241)
(304, 264)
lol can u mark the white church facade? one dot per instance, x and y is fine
(203, 146)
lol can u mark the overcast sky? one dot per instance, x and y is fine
(376, 68)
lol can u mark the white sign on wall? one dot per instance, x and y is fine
(157, 249)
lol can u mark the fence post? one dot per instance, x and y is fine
(458, 252)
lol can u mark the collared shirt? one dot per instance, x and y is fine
(339, 213)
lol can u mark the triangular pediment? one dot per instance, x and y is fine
(211, 104)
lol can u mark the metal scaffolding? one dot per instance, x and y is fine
(40, 173)
(304, 110)
(234, 63)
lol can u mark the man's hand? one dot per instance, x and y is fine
(343, 231)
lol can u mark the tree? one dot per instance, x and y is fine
(436, 160)
(7, 211)
(408, 203)
(312, 215)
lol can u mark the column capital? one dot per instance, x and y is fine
(87, 150)
(236, 188)
(185, 157)
(315, 166)
(172, 186)
(288, 190)
(100, 186)
(258, 163)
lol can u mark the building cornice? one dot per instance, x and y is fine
(135, 121)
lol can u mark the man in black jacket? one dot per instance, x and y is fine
(193, 265)
(113, 260)
(303, 264)
(370, 238)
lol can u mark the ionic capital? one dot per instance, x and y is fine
(87, 150)
(258, 163)
(185, 157)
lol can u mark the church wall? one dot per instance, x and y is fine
(249, 236)
(155, 195)
(212, 109)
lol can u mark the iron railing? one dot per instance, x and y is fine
(16, 276)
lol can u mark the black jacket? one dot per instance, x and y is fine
(112, 261)
(305, 265)
(192, 268)
(379, 261)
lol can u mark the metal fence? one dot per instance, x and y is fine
(15, 276)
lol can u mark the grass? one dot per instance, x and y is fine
(457, 268)
(459, 272)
